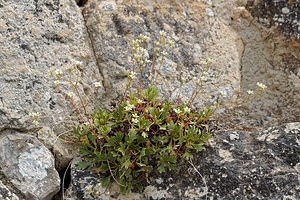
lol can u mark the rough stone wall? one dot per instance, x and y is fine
(284, 14)
(271, 55)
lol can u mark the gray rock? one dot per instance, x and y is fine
(237, 165)
(28, 165)
(6, 194)
(37, 36)
(270, 54)
(114, 24)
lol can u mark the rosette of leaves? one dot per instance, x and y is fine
(121, 149)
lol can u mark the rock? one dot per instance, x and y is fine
(28, 165)
(6, 194)
(37, 36)
(246, 167)
(114, 24)
(86, 185)
(270, 55)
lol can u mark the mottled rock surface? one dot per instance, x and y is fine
(268, 56)
(238, 165)
(114, 24)
(284, 14)
(37, 36)
(6, 194)
(29, 165)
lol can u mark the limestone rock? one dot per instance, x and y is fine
(114, 24)
(237, 165)
(37, 36)
(28, 165)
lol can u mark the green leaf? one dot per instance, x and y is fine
(83, 165)
(199, 147)
(126, 164)
(92, 137)
(161, 169)
(84, 152)
(105, 181)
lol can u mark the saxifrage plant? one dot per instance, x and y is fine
(143, 131)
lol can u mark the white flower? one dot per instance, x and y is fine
(162, 33)
(78, 63)
(204, 63)
(131, 106)
(35, 122)
(75, 83)
(222, 93)
(147, 61)
(97, 84)
(177, 111)
(132, 75)
(140, 101)
(157, 44)
(86, 123)
(70, 94)
(127, 108)
(58, 72)
(164, 53)
(209, 60)
(135, 120)
(144, 134)
(136, 56)
(135, 115)
(146, 38)
(98, 186)
(89, 188)
(187, 109)
(250, 92)
(141, 63)
(171, 43)
(31, 114)
(203, 78)
(57, 82)
(141, 36)
(260, 85)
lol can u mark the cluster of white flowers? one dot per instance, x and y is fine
(132, 75)
(140, 101)
(57, 82)
(162, 33)
(97, 84)
(187, 109)
(58, 72)
(129, 107)
(34, 117)
(135, 118)
(250, 92)
(177, 111)
(261, 85)
(70, 94)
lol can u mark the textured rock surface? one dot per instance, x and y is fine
(269, 57)
(29, 165)
(82, 180)
(6, 194)
(37, 36)
(114, 24)
(238, 165)
(283, 14)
